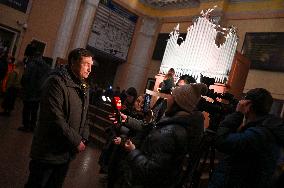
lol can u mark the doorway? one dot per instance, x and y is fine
(104, 72)
(8, 40)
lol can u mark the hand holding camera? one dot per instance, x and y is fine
(117, 140)
(129, 146)
(243, 106)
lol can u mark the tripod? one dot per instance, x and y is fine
(195, 165)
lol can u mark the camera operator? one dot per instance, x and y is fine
(158, 161)
(252, 148)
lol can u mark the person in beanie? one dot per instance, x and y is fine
(157, 162)
(252, 140)
(62, 131)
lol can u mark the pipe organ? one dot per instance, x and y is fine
(198, 54)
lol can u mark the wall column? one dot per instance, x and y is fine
(135, 70)
(66, 29)
(85, 24)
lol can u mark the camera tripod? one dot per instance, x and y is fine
(195, 165)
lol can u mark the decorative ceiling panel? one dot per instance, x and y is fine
(161, 4)
(245, 1)
(173, 4)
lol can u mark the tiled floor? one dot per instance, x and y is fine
(14, 158)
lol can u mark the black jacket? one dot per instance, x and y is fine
(33, 78)
(62, 119)
(252, 153)
(159, 160)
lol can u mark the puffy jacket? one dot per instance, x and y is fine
(62, 119)
(158, 162)
(252, 153)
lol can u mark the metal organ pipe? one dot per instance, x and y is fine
(198, 53)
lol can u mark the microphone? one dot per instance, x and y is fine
(116, 104)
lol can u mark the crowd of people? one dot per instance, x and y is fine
(153, 154)
(145, 147)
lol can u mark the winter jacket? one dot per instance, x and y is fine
(33, 79)
(14, 78)
(62, 119)
(167, 85)
(158, 162)
(252, 153)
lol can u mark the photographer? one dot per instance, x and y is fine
(158, 161)
(252, 148)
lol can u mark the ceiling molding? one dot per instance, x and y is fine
(245, 1)
(254, 15)
(233, 9)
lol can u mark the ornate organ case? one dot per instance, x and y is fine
(198, 54)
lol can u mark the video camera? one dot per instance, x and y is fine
(222, 105)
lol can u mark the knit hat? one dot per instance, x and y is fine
(188, 96)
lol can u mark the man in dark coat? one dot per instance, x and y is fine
(35, 74)
(252, 139)
(158, 161)
(62, 130)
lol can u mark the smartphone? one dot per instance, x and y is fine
(146, 105)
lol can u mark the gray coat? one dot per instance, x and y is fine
(62, 119)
